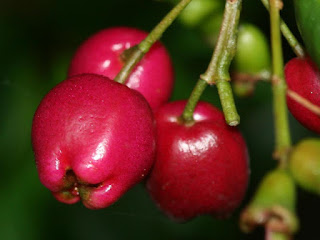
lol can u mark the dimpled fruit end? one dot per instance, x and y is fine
(93, 139)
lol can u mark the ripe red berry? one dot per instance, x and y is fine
(93, 139)
(200, 168)
(303, 77)
(101, 54)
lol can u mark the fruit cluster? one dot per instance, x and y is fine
(110, 124)
(95, 138)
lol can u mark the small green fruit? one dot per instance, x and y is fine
(273, 206)
(198, 11)
(253, 54)
(304, 164)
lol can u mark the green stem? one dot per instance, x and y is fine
(218, 69)
(291, 39)
(143, 47)
(197, 91)
(282, 133)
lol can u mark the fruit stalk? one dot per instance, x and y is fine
(137, 52)
(282, 133)
(218, 69)
(291, 39)
(304, 102)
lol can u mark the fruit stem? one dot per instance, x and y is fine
(144, 46)
(304, 102)
(291, 39)
(218, 69)
(196, 93)
(280, 111)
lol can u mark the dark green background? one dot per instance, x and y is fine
(37, 39)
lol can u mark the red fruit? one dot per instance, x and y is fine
(303, 77)
(101, 54)
(93, 139)
(200, 168)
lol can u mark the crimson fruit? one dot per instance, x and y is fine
(93, 139)
(102, 54)
(201, 167)
(303, 77)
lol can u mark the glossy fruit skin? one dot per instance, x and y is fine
(304, 164)
(200, 168)
(153, 77)
(93, 139)
(303, 77)
(308, 17)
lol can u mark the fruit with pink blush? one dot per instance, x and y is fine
(303, 77)
(93, 139)
(103, 54)
(201, 167)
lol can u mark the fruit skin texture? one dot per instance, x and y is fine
(303, 77)
(304, 164)
(101, 54)
(200, 168)
(93, 139)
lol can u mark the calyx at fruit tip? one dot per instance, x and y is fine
(273, 205)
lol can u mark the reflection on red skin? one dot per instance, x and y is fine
(200, 168)
(101, 54)
(93, 139)
(303, 77)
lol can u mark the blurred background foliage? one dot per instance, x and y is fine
(37, 41)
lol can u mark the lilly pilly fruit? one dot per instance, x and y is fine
(103, 53)
(198, 12)
(253, 53)
(201, 167)
(252, 60)
(303, 77)
(93, 139)
(304, 164)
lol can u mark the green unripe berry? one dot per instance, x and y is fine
(197, 11)
(253, 53)
(277, 188)
(304, 164)
(273, 205)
